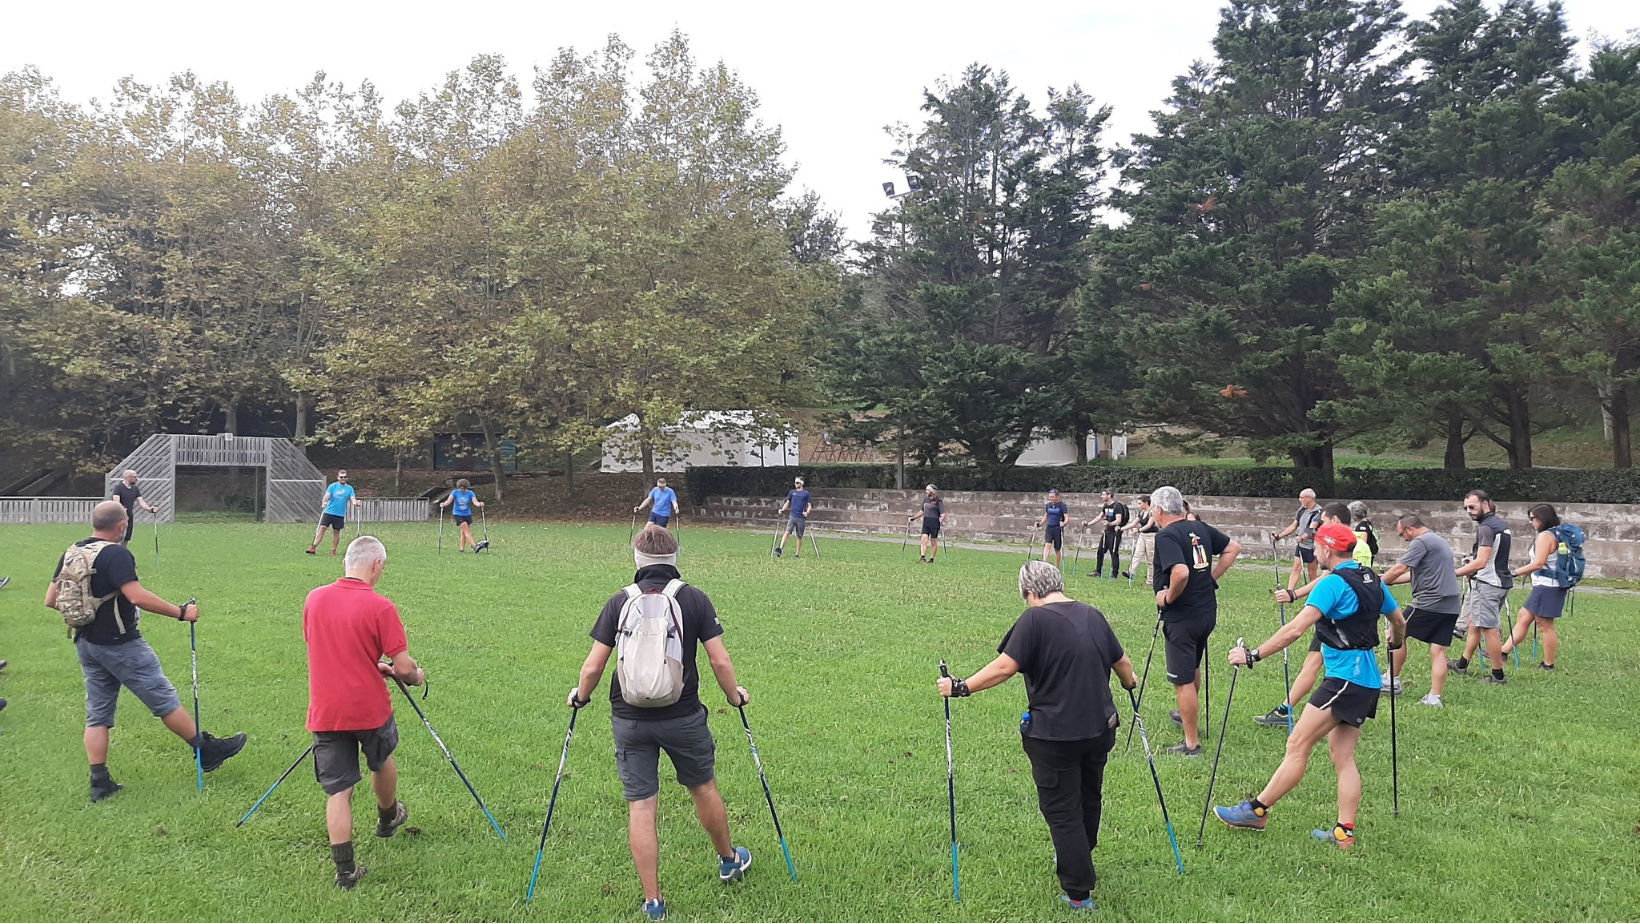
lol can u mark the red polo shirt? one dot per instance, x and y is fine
(349, 628)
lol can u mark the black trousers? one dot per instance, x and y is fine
(1070, 786)
(1110, 542)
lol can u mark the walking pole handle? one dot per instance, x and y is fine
(944, 671)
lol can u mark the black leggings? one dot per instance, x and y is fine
(1070, 786)
(1110, 542)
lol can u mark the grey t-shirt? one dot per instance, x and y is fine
(1434, 580)
(1308, 521)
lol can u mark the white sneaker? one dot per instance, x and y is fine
(1384, 680)
(1431, 700)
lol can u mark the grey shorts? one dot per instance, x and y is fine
(797, 525)
(638, 746)
(132, 665)
(1482, 605)
(336, 755)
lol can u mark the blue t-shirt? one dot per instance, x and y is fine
(1058, 513)
(461, 503)
(337, 498)
(1334, 598)
(799, 500)
(664, 501)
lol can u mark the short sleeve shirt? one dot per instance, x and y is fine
(461, 503)
(116, 567)
(337, 498)
(127, 495)
(664, 500)
(799, 499)
(1065, 650)
(933, 509)
(348, 628)
(1056, 513)
(1493, 533)
(1434, 581)
(1115, 515)
(1336, 600)
(700, 624)
(1198, 546)
(1308, 521)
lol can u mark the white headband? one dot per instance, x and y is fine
(645, 561)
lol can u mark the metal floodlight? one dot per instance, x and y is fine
(913, 182)
(888, 190)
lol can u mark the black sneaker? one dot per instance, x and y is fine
(1489, 679)
(1460, 666)
(101, 790)
(214, 751)
(349, 880)
(1541, 667)
(779, 552)
(1183, 750)
(1276, 716)
(388, 828)
(1176, 717)
(480, 546)
(1126, 575)
(3, 701)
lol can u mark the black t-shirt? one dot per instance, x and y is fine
(116, 567)
(1198, 546)
(1065, 650)
(127, 495)
(933, 510)
(1115, 515)
(700, 624)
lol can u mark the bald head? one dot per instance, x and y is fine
(108, 517)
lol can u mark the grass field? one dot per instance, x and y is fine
(1517, 803)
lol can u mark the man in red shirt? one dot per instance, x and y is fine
(350, 629)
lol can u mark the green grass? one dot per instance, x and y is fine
(1517, 803)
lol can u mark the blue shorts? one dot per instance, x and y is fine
(1546, 602)
(132, 665)
(659, 520)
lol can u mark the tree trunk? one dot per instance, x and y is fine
(1604, 392)
(1622, 448)
(1520, 430)
(569, 473)
(1454, 439)
(1079, 436)
(230, 424)
(301, 422)
(492, 447)
(899, 464)
(398, 471)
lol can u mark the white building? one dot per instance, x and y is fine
(701, 438)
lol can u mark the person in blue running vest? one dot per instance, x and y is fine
(461, 503)
(339, 499)
(1344, 608)
(665, 500)
(1054, 517)
(799, 502)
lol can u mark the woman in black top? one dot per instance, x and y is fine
(1067, 651)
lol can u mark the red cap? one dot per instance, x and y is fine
(1336, 536)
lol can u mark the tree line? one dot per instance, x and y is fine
(1345, 227)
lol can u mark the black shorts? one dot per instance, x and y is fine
(1349, 703)
(332, 521)
(931, 528)
(463, 518)
(1434, 628)
(1304, 555)
(1186, 647)
(336, 755)
(1055, 536)
(657, 519)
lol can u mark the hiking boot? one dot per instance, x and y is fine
(1242, 816)
(312, 550)
(733, 869)
(1332, 837)
(102, 789)
(1184, 750)
(387, 828)
(213, 751)
(1085, 904)
(1460, 666)
(655, 909)
(1431, 700)
(1491, 680)
(1276, 716)
(349, 880)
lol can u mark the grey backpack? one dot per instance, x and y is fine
(74, 598)
(649, 646)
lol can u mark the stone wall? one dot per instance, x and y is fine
(1612, 529)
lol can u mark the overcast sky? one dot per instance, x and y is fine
(830, 74)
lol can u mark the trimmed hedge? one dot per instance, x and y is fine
(1529, 485)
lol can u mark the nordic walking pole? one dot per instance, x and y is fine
(774, 543)
(441, 529)
(1394, 738)
(1030, 544)
(552, 803)
(275, 785)
(907, 538)
(1281, 614)
(1219, 752)
(1534, 636)
(756, 759)
(449, 757)
(193, 652)
(1081, 540)
(156, 542)
(1146, 675)
(484, 520)
(633, 529)
(814, 544)
(1140, 723)
(951, 791)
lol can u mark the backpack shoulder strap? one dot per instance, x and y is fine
(673, 586)
(631, 590)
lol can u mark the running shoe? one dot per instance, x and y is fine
(1333, 837)
(1490, 680)
(311, 550)
(389, 827)
(1431, 700)
(1460, 666)
(733, 869)
(779, 552)
(655, 909)
(1184, 750)
(1541, 666)
(1276, 716)
(102, 789)
(1176, 717)
(1085, 904)
(1242, 816)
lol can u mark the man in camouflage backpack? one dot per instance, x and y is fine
(113, 654)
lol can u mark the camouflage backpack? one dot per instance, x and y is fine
(74, 598)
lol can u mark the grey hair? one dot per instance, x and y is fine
(1038, 579)
(1168, 500)
(1307, 492)
(1358, 510)
(364, 552)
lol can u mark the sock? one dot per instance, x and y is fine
(1497, 672)
(1259, 808)
(342, 854)
(387, 814)
(1284, 709)
(99, 773)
